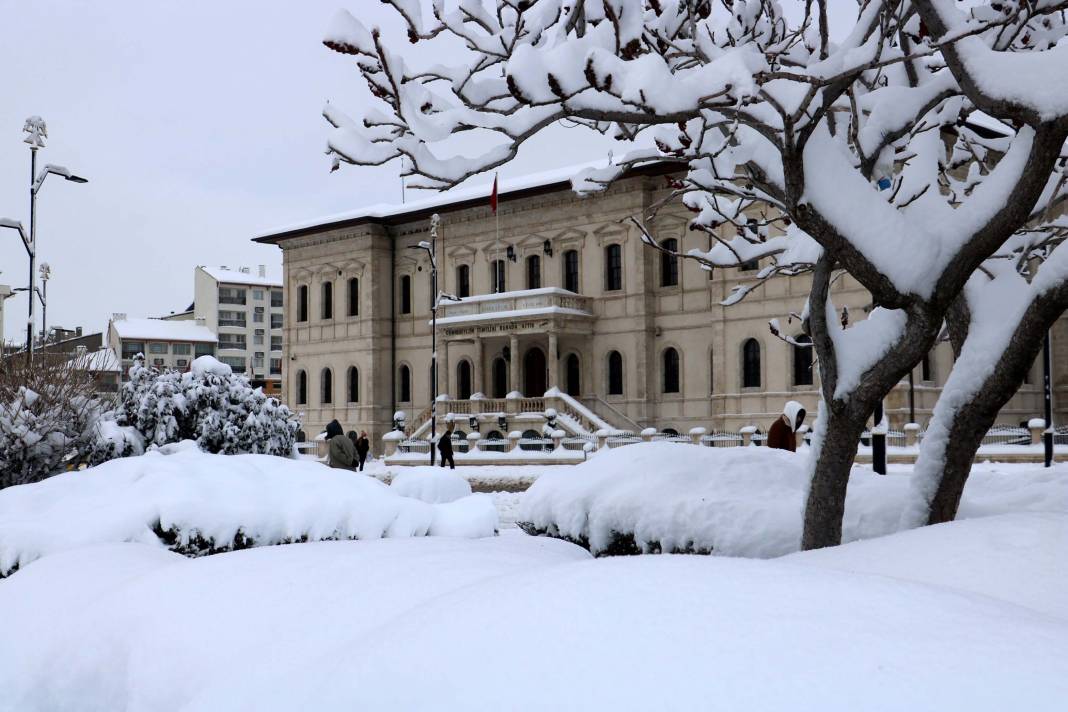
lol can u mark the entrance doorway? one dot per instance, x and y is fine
(534, 373)
(500, 377)
(572, 378)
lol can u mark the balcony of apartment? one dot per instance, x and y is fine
(530, 310)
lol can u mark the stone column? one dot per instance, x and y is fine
(513, 364)
(554, 366)
(478, 385)
(443, 367)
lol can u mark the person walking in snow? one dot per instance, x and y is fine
(445, 447)
(363, 446)
(342, 453)
(781, 433)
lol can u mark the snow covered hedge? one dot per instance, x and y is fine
(50, 416)
(210, 404)
(198, 504)
(742, 501)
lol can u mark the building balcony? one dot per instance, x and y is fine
(560, 307)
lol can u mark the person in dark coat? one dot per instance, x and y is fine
(781, 433)
(363, 446)
(342, 452)
(445, 447)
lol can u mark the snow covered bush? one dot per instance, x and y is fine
(210, 404)
(197, 504)
(741, 501)
(869, 153)
(50, 417)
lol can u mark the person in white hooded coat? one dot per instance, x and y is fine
(781, 433)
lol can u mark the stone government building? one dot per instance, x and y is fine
(638, 338)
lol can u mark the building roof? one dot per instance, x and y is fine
(103, 360)
(448, 201)
(225, 275)
(160, 330)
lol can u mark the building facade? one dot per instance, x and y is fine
(165, 344)
(247, 313)
(567, 296)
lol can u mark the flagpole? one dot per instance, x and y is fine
(497, 266)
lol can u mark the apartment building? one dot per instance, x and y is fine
(165, 344)
(246, 312)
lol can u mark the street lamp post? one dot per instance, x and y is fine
(431, 248)
(1047, 393)
(46, 274)
(36, 133)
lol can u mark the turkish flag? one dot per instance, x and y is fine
(493, 195)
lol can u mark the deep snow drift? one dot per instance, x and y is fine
(197, 503)
(743, 501)
(523, 623)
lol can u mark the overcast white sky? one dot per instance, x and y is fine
(198, 124)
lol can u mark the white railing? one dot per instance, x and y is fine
(527, 301)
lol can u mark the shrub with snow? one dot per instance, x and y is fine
(197, 504)
(210, 404)
(430, 484)
(50, 417)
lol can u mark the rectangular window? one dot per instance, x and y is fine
(276, 321)
(257, 295)
(613, 267)
(132, 348)
(232, 341)
(276, 366)
(182, 362)
(276, 297)
(257, 315)
(157, 362)
(257, 360)
(276, 343)
(231, 318)
(257, 339)
(157, 348)
(497, 276)
(181, 349)
(571, 271)
(302, 302)
(237, 363)
(231, 295)
(204, 350)
(406, 295)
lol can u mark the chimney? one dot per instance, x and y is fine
(263, 270)
(200, 321)
(244, 270)
(118, 316)
(78, 330)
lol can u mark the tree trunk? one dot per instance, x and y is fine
(837, 442)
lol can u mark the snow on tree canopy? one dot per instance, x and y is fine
(203, 365)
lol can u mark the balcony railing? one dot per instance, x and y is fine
(526, 302)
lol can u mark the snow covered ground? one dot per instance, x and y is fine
(524, 623)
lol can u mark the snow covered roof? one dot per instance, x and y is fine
(236, 276)
(160, 330)
(102, 360)
(448, 201)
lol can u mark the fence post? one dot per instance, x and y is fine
(391, 439)
(1037, 426)
(747, 435)
(602, 438)
(912, 434)
(472, 442)
(558, 439)
(513, 440)
(647, 435)
(696, 433)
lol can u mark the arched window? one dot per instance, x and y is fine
(573, 376)
(534, 272)
(613, 267)
(354, 384)
(571, 271)
(328, 300)
(404, 379)
(326, 382)
(497, 276)
(463, 380)
(406, 294)
(354, 297)
(803, 361)
(463, 281)
(302, 302)
(615, 374)
(671, 371)
(302, 387)
(751, 364)
(500, 377)
(669, 263)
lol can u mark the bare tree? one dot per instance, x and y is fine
(822, 154)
